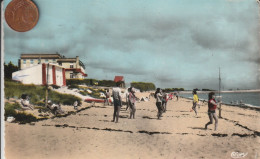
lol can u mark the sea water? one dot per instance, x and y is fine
(235, 98)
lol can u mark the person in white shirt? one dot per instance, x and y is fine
(116, 94)
(158, 96)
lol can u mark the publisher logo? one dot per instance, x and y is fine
(238, 154)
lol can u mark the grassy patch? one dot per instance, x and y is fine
(10, 110)
(37, 94)
(94, 92)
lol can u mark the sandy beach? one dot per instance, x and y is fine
(89, 133)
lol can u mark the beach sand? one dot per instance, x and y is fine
(179, 134)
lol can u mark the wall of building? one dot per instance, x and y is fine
(34, 75)
(72, 63)
(59, 76)
(68, 64)
(25, 63)
(75, 75)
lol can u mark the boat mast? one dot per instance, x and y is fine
(219, 87)
(219, 83)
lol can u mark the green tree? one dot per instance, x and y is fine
(9, 69)
(143, 86)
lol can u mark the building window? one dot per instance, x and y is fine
(31, 61)
(46, 60)
(24, 61)
(71, 65)
(53, 60)
(71, 75)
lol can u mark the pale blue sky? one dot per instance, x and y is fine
(174, 43)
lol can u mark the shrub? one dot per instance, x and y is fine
(20, 117)
(73, 86)
(65, 99)
(81, 81)
(25, 118)
(96, 95)
(143, 86)
(173, 89)
(107, 83)
(55, 87)
(42, 109)
(91, 82)
(37, 94)
(10, 109)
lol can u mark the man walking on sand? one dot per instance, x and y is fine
(116, 94)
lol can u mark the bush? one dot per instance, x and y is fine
(55, 87)
(42, 109)
(73, 86)
(143, 86)
(81, 81)
(173, 89)
(37, 94)
(91, 82)
(107, 83)
(10, 109)
(65, 99)
(25, 118)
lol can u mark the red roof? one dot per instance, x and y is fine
(119, 78)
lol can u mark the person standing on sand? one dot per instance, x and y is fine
(116, 94)
(177, 95)
(127, 98)
(107, 94)
(158, 96)
(131, 100)
(195, 101)
(164, 100)
(212, 106)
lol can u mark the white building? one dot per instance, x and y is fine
(74, 68)
(41, 74)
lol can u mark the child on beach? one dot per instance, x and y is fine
(131, 100)
(107, 94)
(158, 96)
(75, 105)
(116, 94)
(195, 101)
(212, 105)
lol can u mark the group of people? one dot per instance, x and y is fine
(212, 106)
(117, 99)
(161, 104)
(161, 101)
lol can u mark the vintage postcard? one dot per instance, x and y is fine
(139, 79)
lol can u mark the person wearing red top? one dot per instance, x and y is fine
(212, 106)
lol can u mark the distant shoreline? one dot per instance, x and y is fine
(233, 91)
(252, 107)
